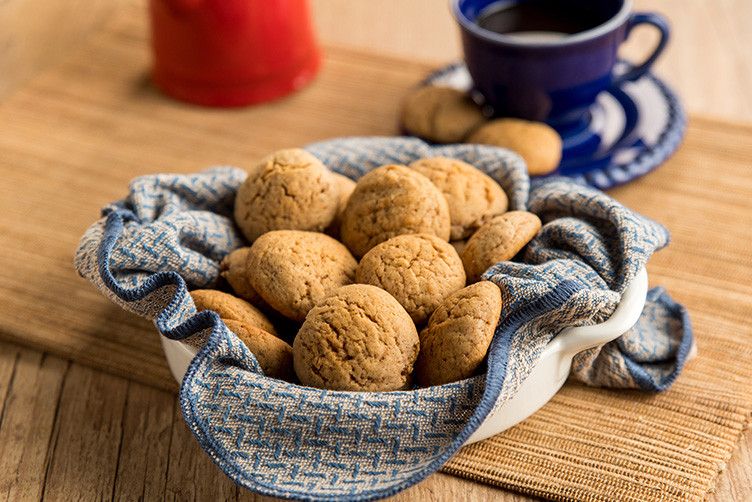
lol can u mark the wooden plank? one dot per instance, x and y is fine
(735, 481)
(143, 454)
(27, 416)
(192, 474)
(87, 436)
(8, 355)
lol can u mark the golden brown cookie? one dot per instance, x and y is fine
(473, 197)
(273, 355)
(346, 187)
(231, 307)
(537, 143)
(440, 114)
(419, 270)
(498, 240)
(234, 269)
(289, 189)
(292, 270)
(389, 201)
(455, 341)
(359, 338)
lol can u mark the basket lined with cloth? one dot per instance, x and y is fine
(171, 232)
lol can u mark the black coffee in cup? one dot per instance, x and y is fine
(542, 18)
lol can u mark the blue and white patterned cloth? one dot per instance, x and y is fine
(280, 439)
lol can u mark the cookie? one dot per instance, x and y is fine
(498, 240)
(359, 338)
(537, 143)
(231, 307)
(273, 355)
(234, 270)
(346, 187)
(473, 197)
(289, 189)
(389, 201)
(440, 114)
(292, 270)
(455, 341)
(419, 270)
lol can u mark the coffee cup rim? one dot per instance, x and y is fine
(468, 24)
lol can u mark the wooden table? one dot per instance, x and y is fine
(96, 119)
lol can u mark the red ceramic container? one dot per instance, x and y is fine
(228, 53)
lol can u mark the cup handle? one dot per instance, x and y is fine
(659, 22)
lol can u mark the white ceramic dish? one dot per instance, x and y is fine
(546, 378)
(552, 369)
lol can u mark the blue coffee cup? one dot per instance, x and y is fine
(552, 73)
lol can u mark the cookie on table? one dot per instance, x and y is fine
(289, 189)
(359, 338)
(419, 270)
(537, 143)
(393, 200)
(273, 354)
(292, 270)
(473, 196)
(454, 343)
(498, 240)
(231, 307)
(346, 187)
(440, 114)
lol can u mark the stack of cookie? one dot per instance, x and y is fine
(447, 115)
(372, 285)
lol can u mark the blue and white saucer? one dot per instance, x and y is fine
(632, 129)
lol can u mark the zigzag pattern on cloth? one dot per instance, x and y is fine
(281, 439)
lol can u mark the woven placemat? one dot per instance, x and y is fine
(604, 445)
(586, 444)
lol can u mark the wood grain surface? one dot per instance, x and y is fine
(37, 34)
(86, 413)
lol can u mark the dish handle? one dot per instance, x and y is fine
(573, 340)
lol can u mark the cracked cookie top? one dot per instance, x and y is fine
(359, 338)
(393, 200)
(419, 270)
(498, 240)
(473, 196)
(455, 341)
(288, 190)
(292, 270)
